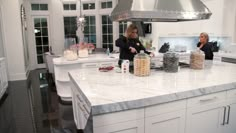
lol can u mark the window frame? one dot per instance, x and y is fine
(106, 1)
(88, 6)
(69, 3)
(39, 10)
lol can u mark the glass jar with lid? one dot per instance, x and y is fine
(197, 59)
(141, 64)
(171, 62)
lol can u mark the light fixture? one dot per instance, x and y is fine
(81, 19)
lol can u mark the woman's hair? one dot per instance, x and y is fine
(205, 35)
(130, 29)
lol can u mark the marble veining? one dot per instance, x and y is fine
(110, 91)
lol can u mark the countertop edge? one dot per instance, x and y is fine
(141, 103)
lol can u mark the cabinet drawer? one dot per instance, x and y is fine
(165, 108)
(231, 94)
(83, 103)
(135, 126)
(206, 99)
(117, 117)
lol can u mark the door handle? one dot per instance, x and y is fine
(227, 122)
(223, 123)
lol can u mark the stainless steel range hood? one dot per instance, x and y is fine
(160, 10)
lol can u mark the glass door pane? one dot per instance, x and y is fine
(41, 37)
(107, 32)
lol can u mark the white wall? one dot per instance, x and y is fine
(57, 26)
(229, 18)
(13, 39)
(1, 35)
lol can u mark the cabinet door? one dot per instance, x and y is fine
(135, 126)
(162, 123)
(205, 119)
(230, 119)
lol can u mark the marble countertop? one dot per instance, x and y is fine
(111, 91)
(101, 58)
(91, 58)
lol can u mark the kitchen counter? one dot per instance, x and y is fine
(91, 58)
(105, 102)
(62, 66)
(108, 92)
(226, 55)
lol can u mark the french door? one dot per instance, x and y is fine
(41, 39)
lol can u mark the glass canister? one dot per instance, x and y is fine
(197, 59)
(70, 54)
(141, 64)
(171, 62)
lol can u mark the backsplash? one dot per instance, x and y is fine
(190, 42)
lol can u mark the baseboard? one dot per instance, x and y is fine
(17, 76)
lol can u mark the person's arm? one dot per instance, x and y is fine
(122, 44)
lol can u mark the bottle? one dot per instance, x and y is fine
(125, 66)
(108, 51)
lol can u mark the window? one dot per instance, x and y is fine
(41, 37)
(39, 7)
(90, 29)
(69, 6)
(122, 28)
(107, 4)
(88, 6)
(107, 32)
(70, 27)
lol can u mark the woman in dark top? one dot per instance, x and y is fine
(205, 46)
(130, 45)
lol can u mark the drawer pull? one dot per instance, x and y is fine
(79, 98)
(228, 115)
(224, 116)
(207, 100)
(86, 109)
(89, 65)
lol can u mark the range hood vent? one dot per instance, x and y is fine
(160, 10)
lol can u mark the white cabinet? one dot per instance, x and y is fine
(205, 119)
(135, 126)
(3, 77)
(131, 121)
(160, 118)
(61, 72)
(162, 123)
(206, 114)
(230, 117)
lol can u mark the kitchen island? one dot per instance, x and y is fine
(63, 66)
(190, 101)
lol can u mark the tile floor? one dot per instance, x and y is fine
(33, 106)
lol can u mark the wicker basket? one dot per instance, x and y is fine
(197, 60)
(141, 64)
